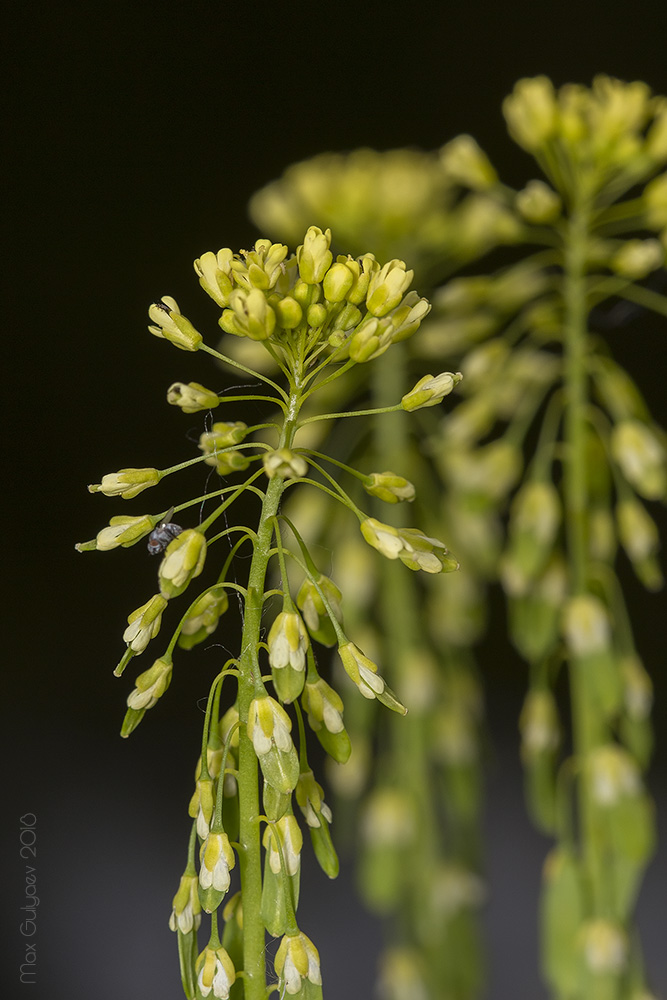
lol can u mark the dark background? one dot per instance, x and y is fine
(136, 135)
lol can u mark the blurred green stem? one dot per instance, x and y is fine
(587, 726)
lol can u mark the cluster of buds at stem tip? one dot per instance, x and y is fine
(358, 307)
(364, 673)
(126, 483)
(297, 963)
(430, 390)
(415, 549)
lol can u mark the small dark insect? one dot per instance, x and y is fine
(165, 532)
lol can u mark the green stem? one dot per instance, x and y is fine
(248, 778)
(588, 729)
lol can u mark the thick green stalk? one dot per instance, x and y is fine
(250, 862)
(587, 728)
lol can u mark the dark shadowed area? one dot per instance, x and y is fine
(137, 133)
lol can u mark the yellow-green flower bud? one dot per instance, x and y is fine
(217, 858)
(345, 320)
(310, 603)
(636, 259)
(465, 163)
(538, 203)
(126, 483)
(586, 625)
(284, 463)
(144, 624)
(337, 282)
(363, 270)
(605, 946)
(638, 688)
(430, 390)
(531, 112)
(172, 325)
(383, 537)
(612, 774)
(655, 202)
(310, 798)
(534, 522)
(656, 137)
(288, 831)
(317, 315)
(186, 908)
(123, 531)
(191, 397)
(366, 342)
(538, 722)
(306, 295)
(588, 638)
(215, 973)
(401, 975)
(314, 257)
(324, 706)
(288, 311)
(641, 455)
(407, 317)
(325, 717)
(489, 471)
(415, 549)
(151, 685)
(364, 673)
(214, 272)
(269, 728)
(288, 642)
(455, 889)
(389, 487)
(183, 561)
(249, 315)
(269, 725)
(297, 959)
(261, 267)
(638, 534)
(387, 287)
(217, 444)
(203, 618)
(201, 805)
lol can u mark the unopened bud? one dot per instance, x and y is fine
(430, 390)
(191, 397)
(171, 325)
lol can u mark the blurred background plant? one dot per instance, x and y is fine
(539, 478)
